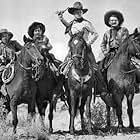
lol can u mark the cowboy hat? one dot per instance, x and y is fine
(2, 31)
(77, 6)
(33, 26)
(115, 13)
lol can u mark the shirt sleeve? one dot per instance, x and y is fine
(94, 35)
(104, 44)
(18, 46)
(46, 43)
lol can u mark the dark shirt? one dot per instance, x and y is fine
(7, 50)
(113, 38)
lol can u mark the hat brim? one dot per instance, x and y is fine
(9, 33)
(33, 26)
(72, 10)
(113, 13)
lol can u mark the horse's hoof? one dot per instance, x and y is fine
(50, 130)
(90, 132)
(131, 127)
(14, 131)
(120, 129)
(107, 128)
(72, 132)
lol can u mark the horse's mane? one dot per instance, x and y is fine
(123, 46)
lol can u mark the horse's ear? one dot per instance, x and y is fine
(81, 33)
(26, 40)
(136, 32)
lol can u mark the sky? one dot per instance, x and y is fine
(17, 15)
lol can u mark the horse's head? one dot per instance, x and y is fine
(33, 55)
(134, 44)
(32, 59)
(77, 46)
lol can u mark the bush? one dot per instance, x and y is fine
(3, 114)
(98, 115)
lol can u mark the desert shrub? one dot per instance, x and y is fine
(98, 115)
(3, 114)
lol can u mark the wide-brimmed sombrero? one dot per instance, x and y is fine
(5, 31)
(33, 26)
(77, 6)
(110, 13)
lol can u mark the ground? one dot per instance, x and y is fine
(61, 123)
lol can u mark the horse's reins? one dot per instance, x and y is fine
(135, 45)
(25, 68)
(138, 54)
(28, 68)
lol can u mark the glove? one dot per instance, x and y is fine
(60, 14)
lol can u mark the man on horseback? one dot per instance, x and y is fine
(7, 45)
(78, 25)
(8, 48)
(113, 38)
(36, 32)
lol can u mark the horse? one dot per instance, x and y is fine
(16, 88)
(80, 83)
(48, 91)
(121, 80)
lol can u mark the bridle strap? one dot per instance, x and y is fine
(135, 45)
(25, 68)
(30, 53)
(80, 56)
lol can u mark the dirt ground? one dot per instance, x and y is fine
(61, 124)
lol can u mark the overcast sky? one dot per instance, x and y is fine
(17, 15)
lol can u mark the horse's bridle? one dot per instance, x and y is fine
(136, 46)
(79, 56)
(34, 59)
(34, 67)
(137, 54)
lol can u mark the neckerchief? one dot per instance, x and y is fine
(79, 20)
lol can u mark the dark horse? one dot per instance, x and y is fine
(80, 82)
(121, 80)
(47, 92)
(16, 88)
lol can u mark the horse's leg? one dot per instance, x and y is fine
(31, 102)
(50, 116)
(13, 106)
(88, 113)
(130, 110)
(72, 111)
(83, 102)
(118, 97)
(31, 111)
(108, 116)
(41, 108)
